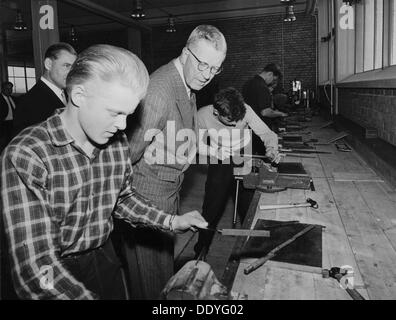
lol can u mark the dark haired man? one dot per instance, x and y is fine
(225, 122)
(257, 93)
(7, 110)
(47, 94)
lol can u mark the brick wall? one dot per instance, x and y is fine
(375, 107)
(252, 43)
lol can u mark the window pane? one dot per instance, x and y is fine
(10, 71)
(31, 82)
(30, 72)
(20, 86)
(379, 30)
(393, 32)
(359, 38)
(19, 72)
(369, 35)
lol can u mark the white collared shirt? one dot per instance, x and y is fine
(11, 107)
(179, 68)
(54, 88)
(234, 138)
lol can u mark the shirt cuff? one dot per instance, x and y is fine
(166, 221)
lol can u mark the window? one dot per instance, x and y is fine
(375, 35)
(23, 78)
(378, 34)
(369, 23)
(393, 32)
(369, 35)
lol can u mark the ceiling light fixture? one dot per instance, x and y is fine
(73, 35)
(19, 23)
(290, 16)
(171, 24)
(138, 12)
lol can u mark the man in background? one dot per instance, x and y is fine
(257, 93)
(7, 110)
(227, 115)
(47, 94)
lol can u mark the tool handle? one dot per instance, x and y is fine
(258, 263)
(355, 295)
(311, 185)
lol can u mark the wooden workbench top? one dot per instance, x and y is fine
(358, 210)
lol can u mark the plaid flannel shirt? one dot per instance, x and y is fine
(57, 201)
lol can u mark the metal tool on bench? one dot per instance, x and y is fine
(296, 156)
(255, 156)
(265, 180)
(293, 127)
(308, 204)
(241, 232)
(298, 146)
(259, 262)
(337, 274)
(304, 151)
(296, 143)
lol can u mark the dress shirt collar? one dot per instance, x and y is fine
(8, 99)
(54, 88)
(56, 130)
(179, 68)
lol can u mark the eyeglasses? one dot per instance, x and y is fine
(225, 118)
(202, 66)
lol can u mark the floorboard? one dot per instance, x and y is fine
(360, 221)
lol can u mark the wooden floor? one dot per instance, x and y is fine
(357, 207)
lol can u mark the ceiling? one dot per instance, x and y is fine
(74, 12)
(157, 11)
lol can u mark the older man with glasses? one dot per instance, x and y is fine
(169, 106)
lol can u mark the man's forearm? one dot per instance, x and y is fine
(137, 210)
(270, 113)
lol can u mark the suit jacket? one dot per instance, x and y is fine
(166, 109)
(4, 107)
(35, 106)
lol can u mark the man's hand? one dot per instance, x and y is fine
(271, 113)
(274, 155)
(190, 220)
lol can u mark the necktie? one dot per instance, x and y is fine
(63, 97)
(11, 108)
(11, 103)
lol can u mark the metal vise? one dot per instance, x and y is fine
(264, 179)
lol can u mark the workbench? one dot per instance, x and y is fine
(358, 209)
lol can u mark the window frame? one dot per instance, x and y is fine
(12, 78)
(378, 77)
